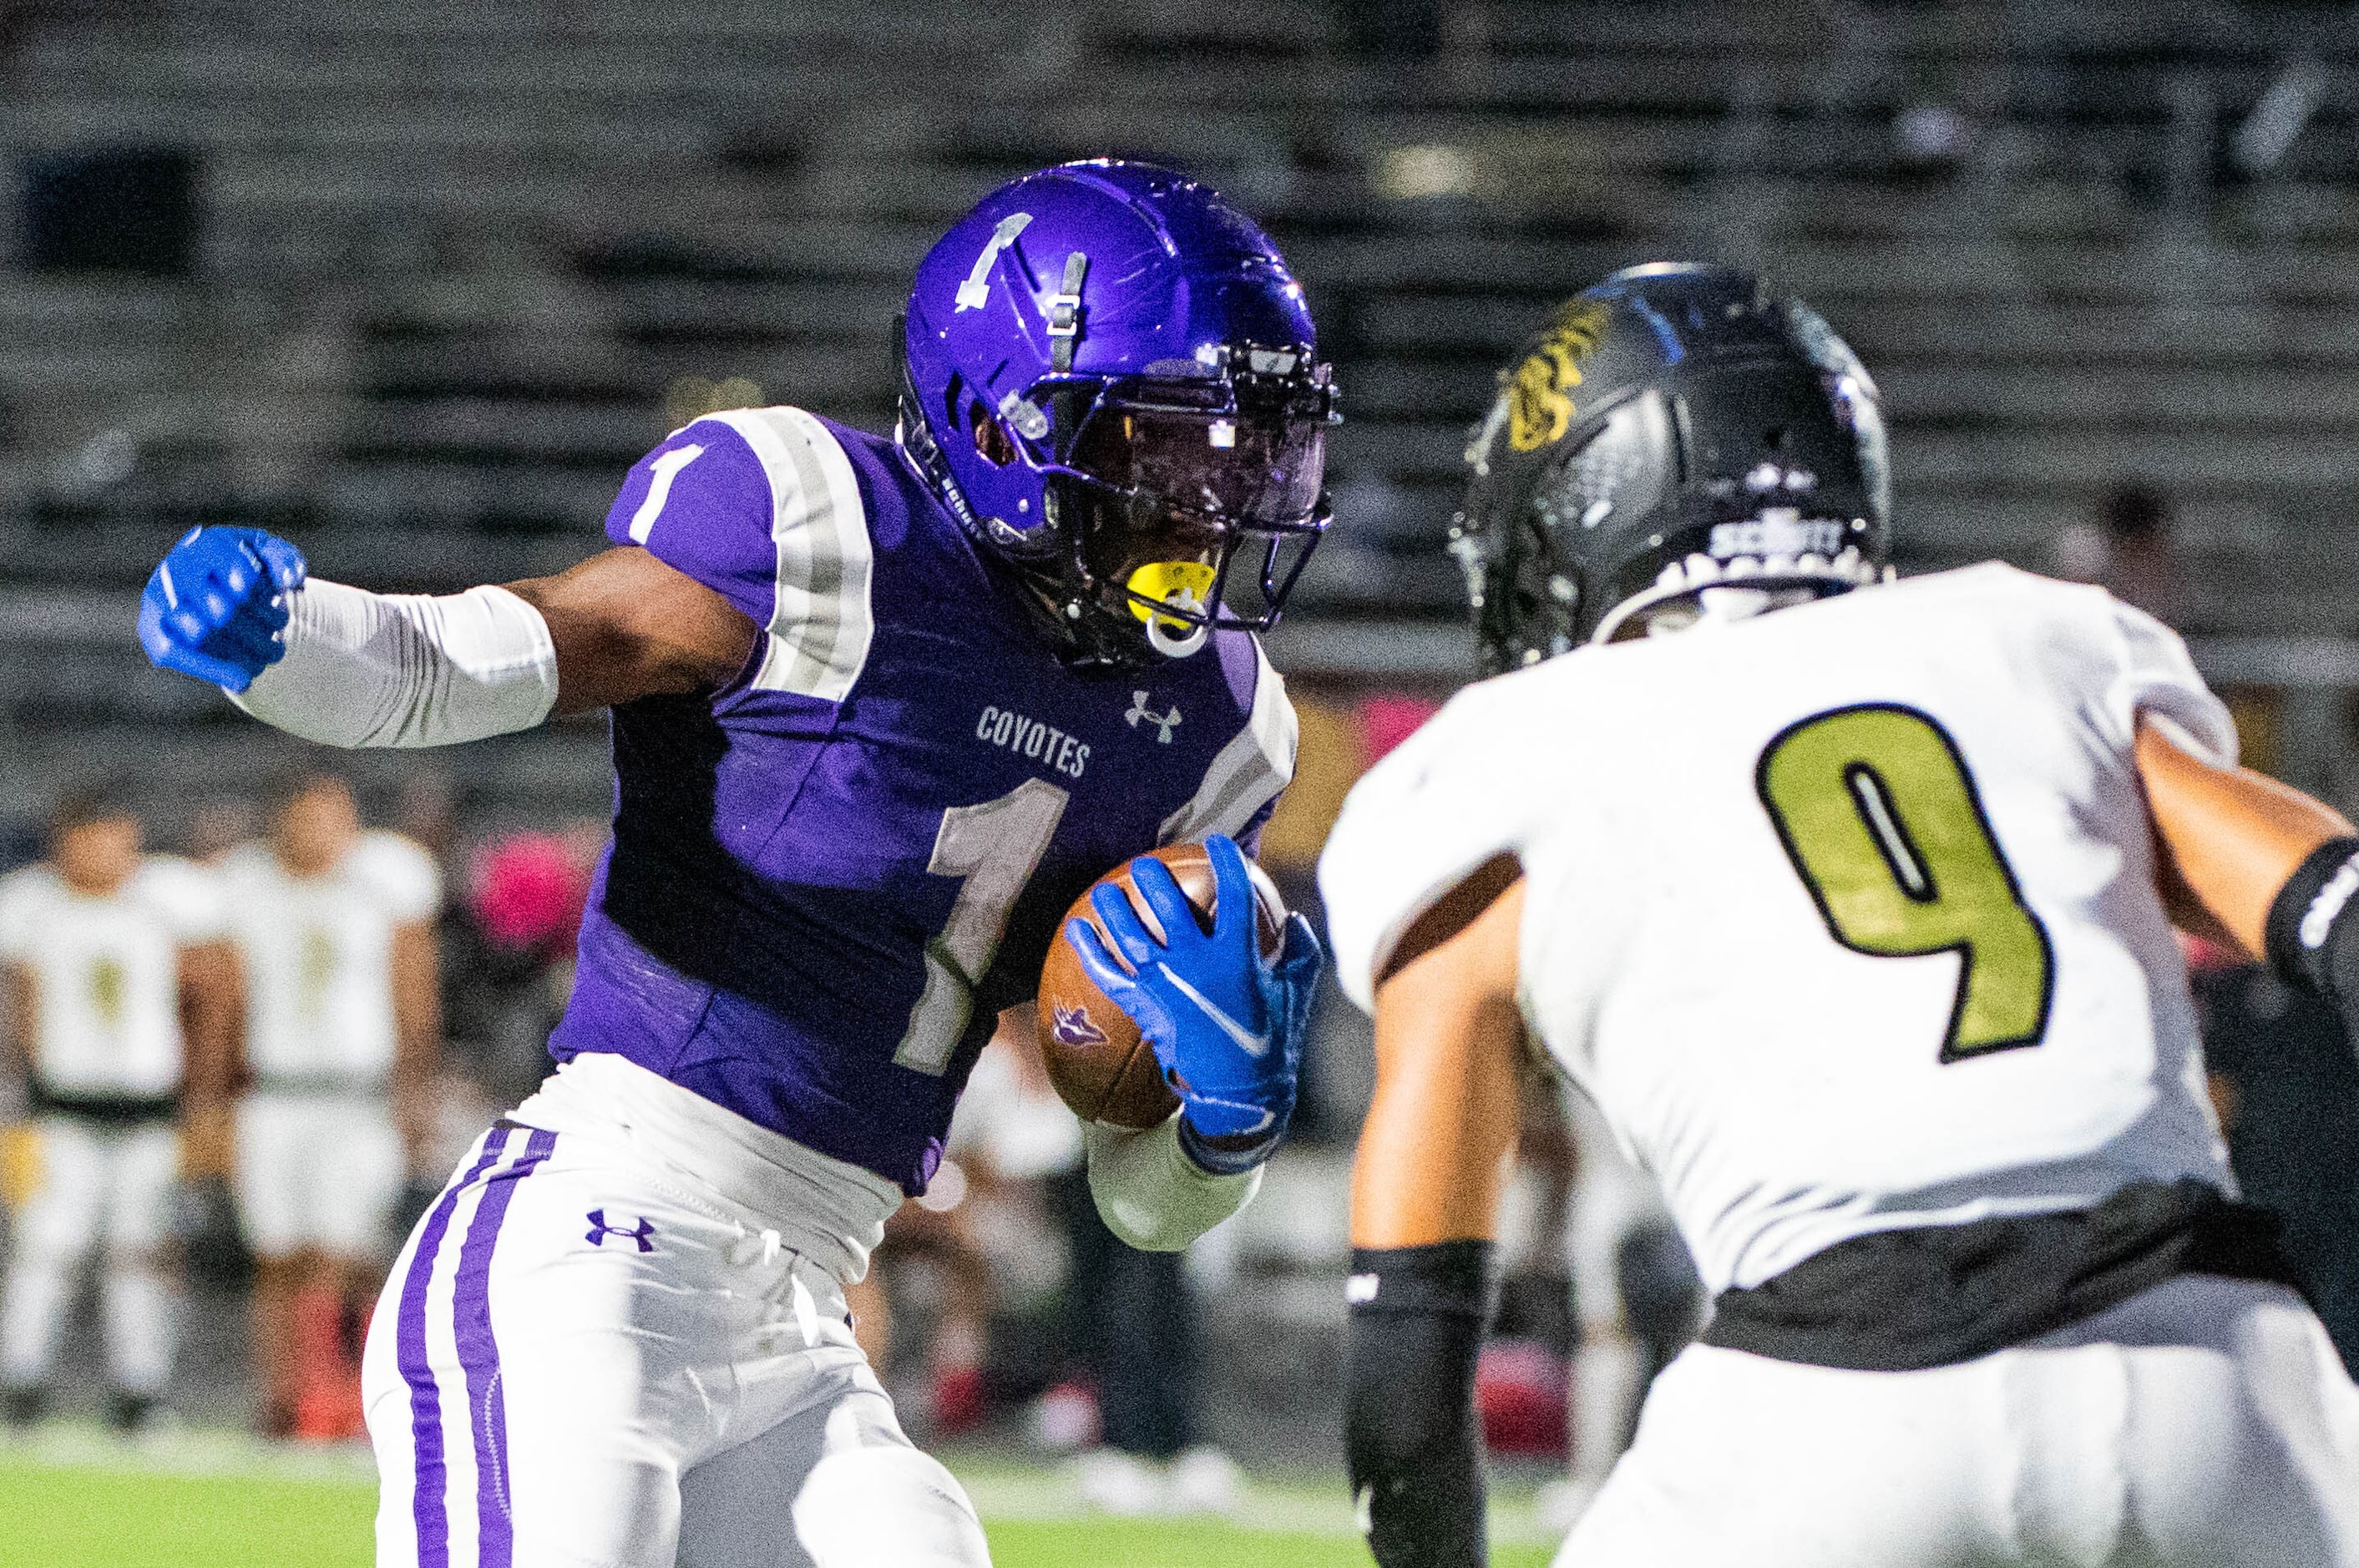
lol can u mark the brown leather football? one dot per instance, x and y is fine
(1100, 1065)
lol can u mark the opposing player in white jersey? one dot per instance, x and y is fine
(335, 929)
(120, 998)
(1853, 919)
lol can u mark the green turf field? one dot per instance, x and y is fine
(71, 1499)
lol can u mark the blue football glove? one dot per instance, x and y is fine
(1226, 1026)
(216, 606)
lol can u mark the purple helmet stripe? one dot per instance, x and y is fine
(430, 1474)
(479, 1356)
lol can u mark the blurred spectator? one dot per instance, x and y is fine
(507, 953)
(1132, 1330)
(1521, 1381)
(1011, 1133)
(2130, 550)
(120, 999)
(335, 929)
(425, 812)
(220, 825)
(1638, 1299)
(1135, 1330)
(1403, 31)
(20, 844)
(2287, 1088)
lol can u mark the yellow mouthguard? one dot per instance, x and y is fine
(1161, 579)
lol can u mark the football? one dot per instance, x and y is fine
(1102, 1066)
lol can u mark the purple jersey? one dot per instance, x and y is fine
(829, 876)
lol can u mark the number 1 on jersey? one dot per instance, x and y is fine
(1882, 823)
(994, 847)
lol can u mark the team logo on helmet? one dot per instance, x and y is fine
(1722, 434)
(1539, 396)
(1072, 1027)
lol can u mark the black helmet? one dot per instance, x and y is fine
(1670, 430)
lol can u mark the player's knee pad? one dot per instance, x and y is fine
(888, 1505)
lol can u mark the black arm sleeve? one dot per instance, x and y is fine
(1418, 1316)
(2313, 935)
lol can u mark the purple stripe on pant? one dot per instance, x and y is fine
(479, 1356)
(430, 1502)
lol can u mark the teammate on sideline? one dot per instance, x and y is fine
(334, 931)
(121, 999)
(881, 710)
(1847, 904)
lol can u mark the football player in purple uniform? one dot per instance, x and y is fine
(881, 710)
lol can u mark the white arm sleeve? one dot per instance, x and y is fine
(1151, 1194)
(387, 669)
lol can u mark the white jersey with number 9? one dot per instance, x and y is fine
(1845, 915)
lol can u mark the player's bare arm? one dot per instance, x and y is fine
(625, 625)
(417, 1028)
(1434, 1156)
(2231, 838)
(2258, 864)
(210, 987)
(1440, 1137)
(17, 997)
(17, 1026)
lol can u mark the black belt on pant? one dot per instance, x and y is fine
(1901, 1301)
(102, 1109)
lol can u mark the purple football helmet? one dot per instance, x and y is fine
(1110, 378)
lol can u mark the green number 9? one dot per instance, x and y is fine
(1883, 822)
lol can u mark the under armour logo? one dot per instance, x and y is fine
(1163, 723)
(1072, 1027)
(599, 1230)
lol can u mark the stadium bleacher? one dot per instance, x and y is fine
(457, 260)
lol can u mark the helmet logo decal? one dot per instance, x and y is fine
(976, 293)
(1539, 396)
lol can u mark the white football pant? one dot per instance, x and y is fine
(99, 1186)
(316, 1170)
(2205, 1424)
(577, 1364)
